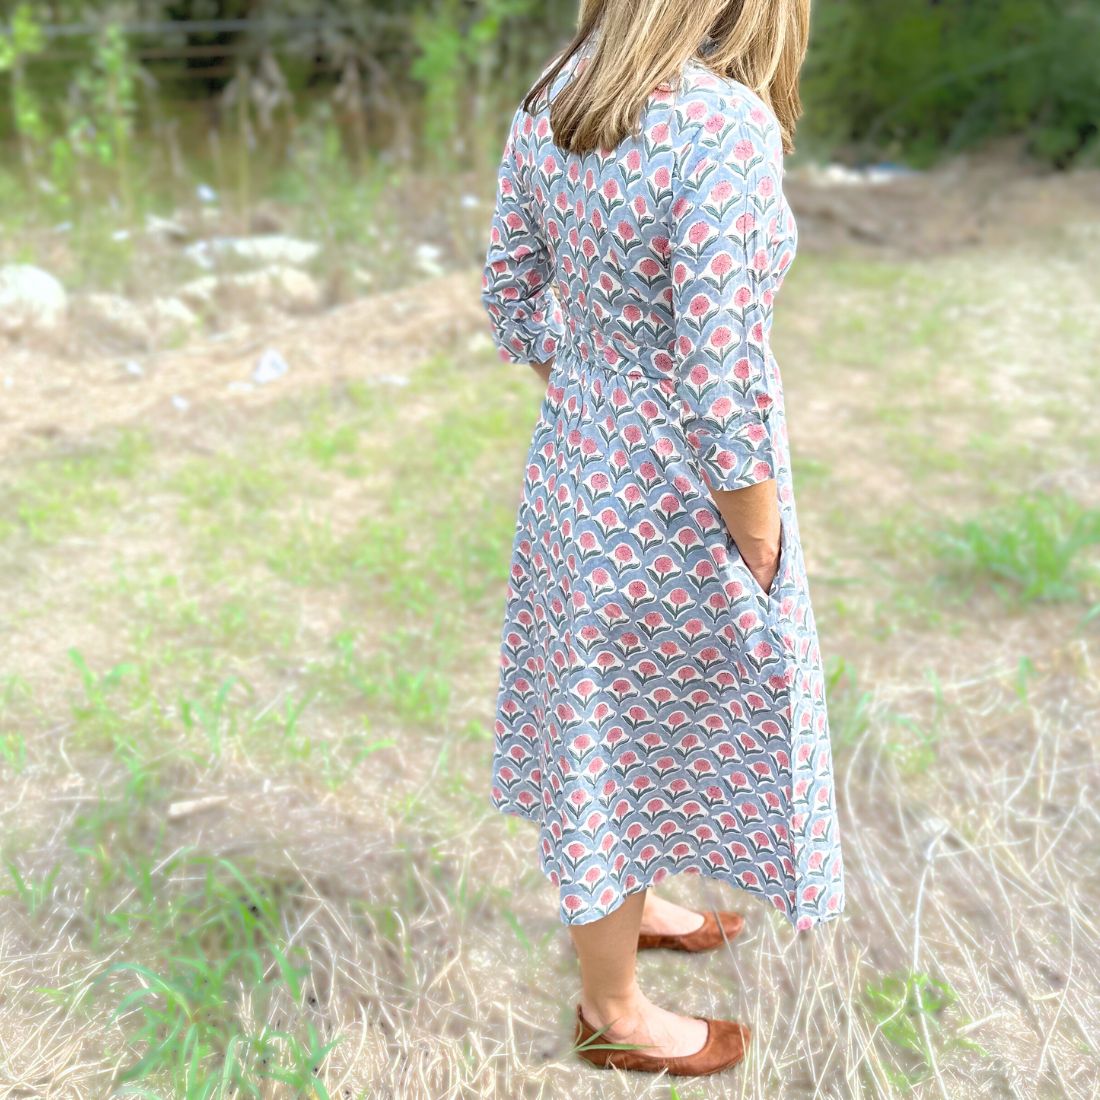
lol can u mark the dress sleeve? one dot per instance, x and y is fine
(725, 198)
(525, 315)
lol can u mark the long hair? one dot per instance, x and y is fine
(641, 44)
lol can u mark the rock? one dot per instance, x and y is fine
(272, 249)
(280, 287)
(427, 259)
(270, 367)
(165, 230)
(266, 218)
(32, 301)
(113, 318)
(171, 320)
(189, 806)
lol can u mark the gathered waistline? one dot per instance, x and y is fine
(627, 361)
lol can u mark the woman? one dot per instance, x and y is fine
(661, 705)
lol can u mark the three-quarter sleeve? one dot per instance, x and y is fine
(726, 196)
(525, 315)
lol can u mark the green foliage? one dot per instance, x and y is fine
(455, 51)
(1035, 548)
(909, 1009)
(23, 40)
(217, 937)
(849, 705)
(917, 78)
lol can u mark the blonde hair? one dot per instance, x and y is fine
(641, 44)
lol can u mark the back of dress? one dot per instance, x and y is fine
(665, 253)
(657, 711)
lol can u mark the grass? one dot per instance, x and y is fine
(909, 1010)
(1035, 548)
(245, 711)
(60, 494)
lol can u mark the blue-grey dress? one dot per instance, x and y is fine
(658, 712)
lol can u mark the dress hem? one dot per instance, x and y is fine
(797, 921)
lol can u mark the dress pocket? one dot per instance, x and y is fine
(768, 599)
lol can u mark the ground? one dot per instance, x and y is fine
(248, 661)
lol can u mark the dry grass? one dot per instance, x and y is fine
(286, 605)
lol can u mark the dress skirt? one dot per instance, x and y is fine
(657, 711)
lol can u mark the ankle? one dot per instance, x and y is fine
(621, 1009)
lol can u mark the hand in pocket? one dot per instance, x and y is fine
(755, 526)
(765, 572)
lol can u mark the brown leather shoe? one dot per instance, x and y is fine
(717, 927)
(725, 1046)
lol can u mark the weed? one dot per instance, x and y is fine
(55, 496)
(909, 1008)
(215, 938)
(1035, 548)
(33, 893)
(849, 706)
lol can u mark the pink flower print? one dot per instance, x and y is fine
(634, 160)
(700, 306)
(610, 190)
(720, 408)
(721, 337)
(722, 264)
(744, 150)
(715, 124)
(745, 223)
(742, 297)
(660, 132)
(626, 231)
(766, 187)
(721, 192)
(662, 179)
(700, 233)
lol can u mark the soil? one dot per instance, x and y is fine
(63, 391)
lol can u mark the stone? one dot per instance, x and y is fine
(113, 318)
(32, 301)
(267, 250)
(172, 320)
(280, 287)
(270, 367)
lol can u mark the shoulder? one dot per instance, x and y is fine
(535, 124)
(714, 111)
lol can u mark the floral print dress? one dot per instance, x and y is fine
(658, 712)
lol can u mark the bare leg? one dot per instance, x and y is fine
(667, 918)
(608, 950)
